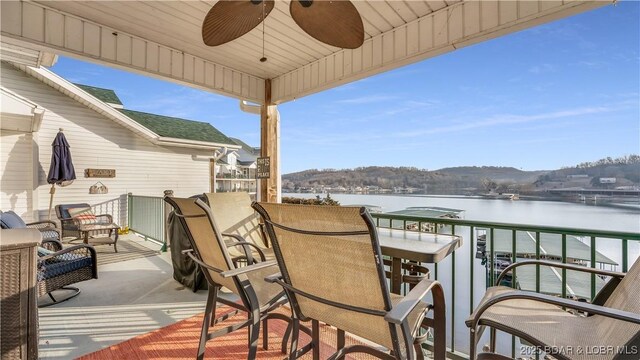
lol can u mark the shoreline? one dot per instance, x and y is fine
(635, 206)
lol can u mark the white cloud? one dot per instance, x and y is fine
(367, 99)
(510, 119)
(543, 68)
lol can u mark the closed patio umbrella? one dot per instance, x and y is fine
(61, 171)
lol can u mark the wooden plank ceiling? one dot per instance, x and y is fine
(163, 38)
(177, 24)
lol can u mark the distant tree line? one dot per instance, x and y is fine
(314, 201)
(465, 179)
(623, 160)
(624, 167)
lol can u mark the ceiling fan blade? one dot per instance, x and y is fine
(229, 19)
(336, 22)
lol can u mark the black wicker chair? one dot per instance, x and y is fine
(60, 267)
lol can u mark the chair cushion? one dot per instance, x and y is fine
(62, 210)
(44, 252)
(11, 220)
(83, 215)
(62, 265)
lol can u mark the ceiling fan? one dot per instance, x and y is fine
(335, 22)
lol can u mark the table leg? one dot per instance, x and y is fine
(396, 275)
(86, 237)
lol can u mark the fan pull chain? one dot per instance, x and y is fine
(264, 5)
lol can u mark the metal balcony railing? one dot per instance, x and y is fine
(147, 217)
(488, 247)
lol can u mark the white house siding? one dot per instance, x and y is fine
(16, 182)
(142, 168)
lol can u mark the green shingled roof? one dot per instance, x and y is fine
(246, 147)
(106, 95)
(178, 128)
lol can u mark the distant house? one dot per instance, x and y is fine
(236, 171)
(607, 180)
(149, 153)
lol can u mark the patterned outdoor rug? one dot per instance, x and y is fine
(128, 249)
(180, 341)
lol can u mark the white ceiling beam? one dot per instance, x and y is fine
(450, 28)
(41, 28)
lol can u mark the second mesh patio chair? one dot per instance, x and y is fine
(610, 330)
(332, 269)
(257, 297)
(237, 221)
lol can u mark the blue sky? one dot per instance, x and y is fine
(555, 95)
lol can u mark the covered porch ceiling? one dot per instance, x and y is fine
(163, 39)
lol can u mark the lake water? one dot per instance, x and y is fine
(549, 213)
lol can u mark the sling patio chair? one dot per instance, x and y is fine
(611, 322)
(234, 216)
(332, 270)
(209, 250)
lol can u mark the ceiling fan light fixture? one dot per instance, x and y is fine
(336, 23)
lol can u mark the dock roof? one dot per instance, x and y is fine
(431, 211)
(550, 245)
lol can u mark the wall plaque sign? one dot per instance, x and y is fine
(100, 173)
(264, 167)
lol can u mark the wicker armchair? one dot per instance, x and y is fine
(69, 226)
(48, 229)
(60, 267)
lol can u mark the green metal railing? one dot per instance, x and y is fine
(147, 218)
(458, 308)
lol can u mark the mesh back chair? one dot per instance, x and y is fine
(233, 215)
(257, 297)
(612, 320)
(331, 267)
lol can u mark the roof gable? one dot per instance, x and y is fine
(246, 147)
(106, 95)
(173, 127)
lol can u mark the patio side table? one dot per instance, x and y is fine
(107, 234)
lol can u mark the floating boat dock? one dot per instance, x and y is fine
(578, 284)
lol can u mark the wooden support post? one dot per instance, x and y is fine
(270, 189)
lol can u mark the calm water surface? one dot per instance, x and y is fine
(550, 213)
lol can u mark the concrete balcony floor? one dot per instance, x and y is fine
(129, 298)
